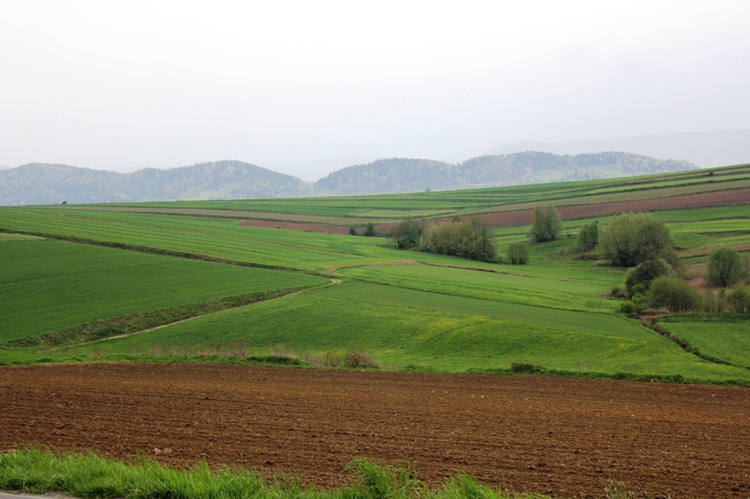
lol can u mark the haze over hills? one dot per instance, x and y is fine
(37, 183)
(705, 149)
(311, 171)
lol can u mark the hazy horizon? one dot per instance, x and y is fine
(126, 86)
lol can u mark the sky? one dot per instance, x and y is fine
(126, 85)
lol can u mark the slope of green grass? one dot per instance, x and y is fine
(504, 287)
(728, 341)
(404, 328)
(49, 285)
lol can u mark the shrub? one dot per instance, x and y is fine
(644, 273)
(740, 300)
(357, 359)
(518, 254)
(632, 308)
(725, 267)
(406, 234)
(521, 368)
(588, 237)
(369, 229)
(673, 294)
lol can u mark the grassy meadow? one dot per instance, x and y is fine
(93, 283)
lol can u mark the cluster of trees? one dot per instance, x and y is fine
(645, 245)
(633, 240)
(463, 238)
(546, 224)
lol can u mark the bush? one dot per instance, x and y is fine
(518, 254)
(632, 308)
(725, 267)
(588, 238)
(406, 234)
(369, 229)
(740, 300)
(673, 294)
(644, 273)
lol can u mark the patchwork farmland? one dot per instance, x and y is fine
(167, 288)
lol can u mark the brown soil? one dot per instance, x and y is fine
(565, 437)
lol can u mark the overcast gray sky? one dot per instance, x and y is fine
(122, 85)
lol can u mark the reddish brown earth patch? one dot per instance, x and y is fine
(565, 437)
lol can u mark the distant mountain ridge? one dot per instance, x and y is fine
(411, 175)
(37, 183)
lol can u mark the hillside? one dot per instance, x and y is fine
(37, 183)
(413, 175)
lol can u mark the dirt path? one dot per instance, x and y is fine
(565, 437)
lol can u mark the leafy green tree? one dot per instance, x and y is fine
(588, 237)
(406, 234)
(725, 267)
(546, 224)
(369, 229)
(482, 245)
(655, 241)
(633, 238)
(352, 230)
(518, 254)
(673, 294)
(644, 273)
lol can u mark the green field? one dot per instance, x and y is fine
(729, 341)
(76, 278)
(49, 285)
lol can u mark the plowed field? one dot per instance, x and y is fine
(565, 437)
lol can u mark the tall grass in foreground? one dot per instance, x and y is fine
(90, 476)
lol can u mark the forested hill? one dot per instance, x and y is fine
(412, 175)
(37, 183)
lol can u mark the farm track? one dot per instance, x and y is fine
(565, 437)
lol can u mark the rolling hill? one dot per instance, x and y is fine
(414, 175)
(37, 183)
